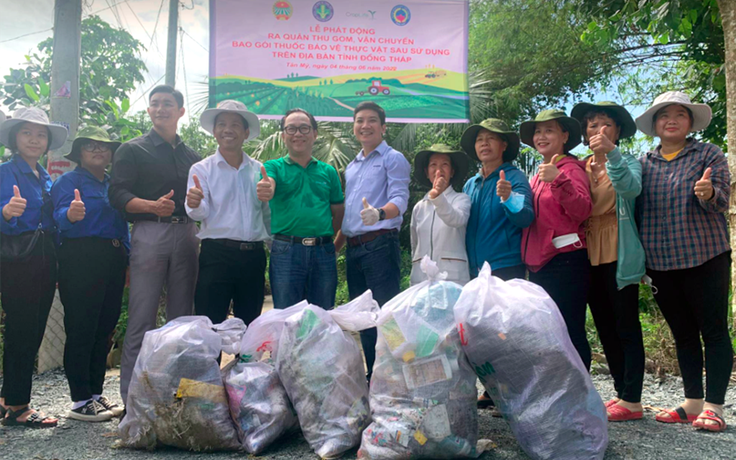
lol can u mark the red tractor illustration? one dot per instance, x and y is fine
(375, 88)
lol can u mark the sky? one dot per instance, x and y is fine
(138, 17)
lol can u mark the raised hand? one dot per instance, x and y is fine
(439, 185)
(503, 187)
(16, 206)
(264, 187)
(195, 194)
(164, 206)
(600, 143)
(704, 187)
(369, 214)
(548, 171)
(76, 211)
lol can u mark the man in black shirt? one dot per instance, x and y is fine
(149, 184)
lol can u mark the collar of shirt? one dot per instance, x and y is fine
(158, 140)
(691, 144)
(381, 149)
(222, 162)
(289, 161)
(84, 171)
(25, 168)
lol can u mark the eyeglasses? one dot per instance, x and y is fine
(95, 147)
(304, 129)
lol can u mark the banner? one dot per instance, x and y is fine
(408, 56)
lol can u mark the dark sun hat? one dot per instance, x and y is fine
(494, 125)
(571, 125)
(84, 135)
(458, 159)
(628, 125)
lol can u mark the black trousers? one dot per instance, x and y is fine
(694, 302)
(566, 278)
(91, 284)
(616, 316)
(28, 289)
(509, 273)
(230, 274)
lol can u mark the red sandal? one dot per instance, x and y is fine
(611, 402)
(675, 416)
(710, 415)
(618, 413)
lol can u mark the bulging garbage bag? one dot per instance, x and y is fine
(321, 367)
(258, 401)
(517, 342)
(422, 393)
(176, 395)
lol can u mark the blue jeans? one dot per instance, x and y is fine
(299, 272)
(375, 265)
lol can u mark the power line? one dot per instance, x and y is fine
(183, 65)
(193, 39)
(156, 24)
(149, 89)
(143, 27)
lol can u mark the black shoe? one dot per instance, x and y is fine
(116, 410)
(90, 412)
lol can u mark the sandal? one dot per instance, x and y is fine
(675, 416)
(35, 420)
(618, 413)
(710, 415)
(611, 402)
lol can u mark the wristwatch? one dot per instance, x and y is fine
(381, 214)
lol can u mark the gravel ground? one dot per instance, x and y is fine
(645, 439)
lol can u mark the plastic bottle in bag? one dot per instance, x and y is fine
(423, 394)
(176, 396)
(517, 342)
(321, 367)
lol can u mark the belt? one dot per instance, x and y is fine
(370, 236)
(318, 241)
(165, 220)
(241, 245)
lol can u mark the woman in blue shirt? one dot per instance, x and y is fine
(92, 261)
(28, 274)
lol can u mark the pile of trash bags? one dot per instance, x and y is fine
(176, 396)
(321, 367)
(258, 401)
(517, 342)
(423, 393)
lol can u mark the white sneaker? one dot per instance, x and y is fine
(91, 412)
(116, 410)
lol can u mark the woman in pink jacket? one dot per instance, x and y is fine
(553, 247)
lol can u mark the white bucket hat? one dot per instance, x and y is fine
(702, 113)
(207, 119)
(36, 116)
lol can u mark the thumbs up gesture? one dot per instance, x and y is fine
(600, 143)
(704, 187)
(195, 194)
(266, 187)
(164, 206)
(503, 187)
(16, 206)
(439, 185)
(369, 214)
(548, 171)
(76, 211)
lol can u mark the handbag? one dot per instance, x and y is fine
(18, 247)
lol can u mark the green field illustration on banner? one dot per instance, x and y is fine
(429, 93)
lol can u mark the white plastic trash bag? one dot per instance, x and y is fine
(258, 401)
(517, 342)
(176, 395)
(423, 394)
(321, 367)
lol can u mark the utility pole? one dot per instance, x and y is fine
(65, 62)
(171, 45)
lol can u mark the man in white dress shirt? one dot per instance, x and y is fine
(235, 224)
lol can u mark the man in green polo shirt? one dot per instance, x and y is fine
(307, 207)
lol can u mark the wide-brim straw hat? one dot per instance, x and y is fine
(494, 125)
(90, 133)
(207, 119)
(628, 125)
(458, 159)
(571, 125)
(36, 116)
(702, 114)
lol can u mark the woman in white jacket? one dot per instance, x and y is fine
(438, 222)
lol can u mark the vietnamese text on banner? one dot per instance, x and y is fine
(328, 56)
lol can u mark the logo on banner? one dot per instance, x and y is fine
(400, 15)
(282, 10)
(323, 11)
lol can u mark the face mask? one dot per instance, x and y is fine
(515, 203)
(567, 240)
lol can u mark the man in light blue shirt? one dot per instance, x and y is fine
(376, 197)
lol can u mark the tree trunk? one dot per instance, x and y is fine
(728, 17)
